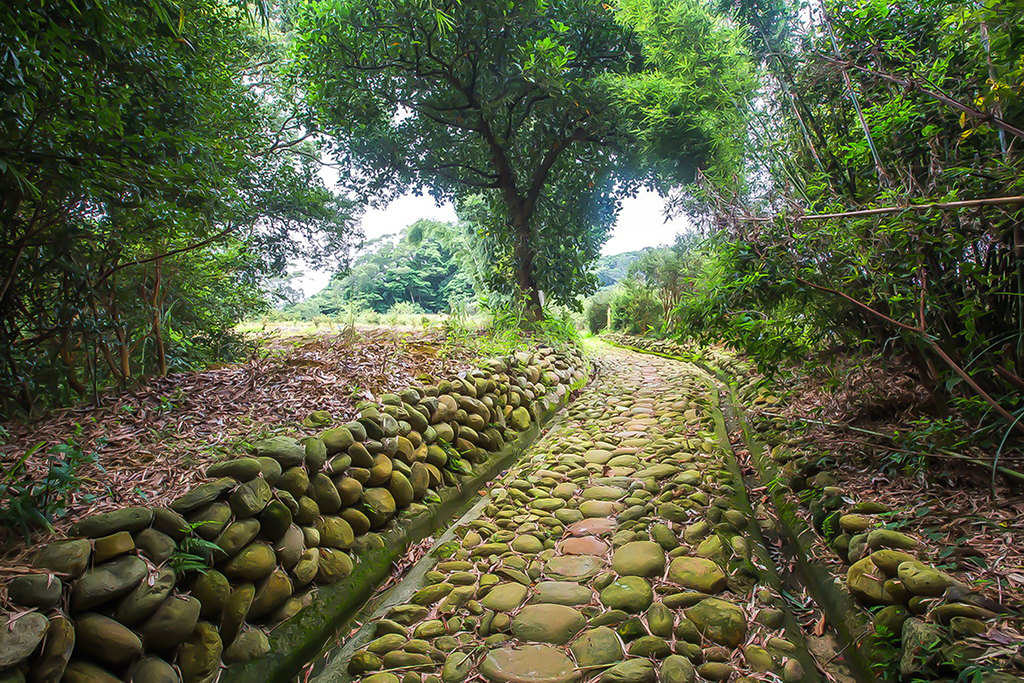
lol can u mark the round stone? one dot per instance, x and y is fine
(573, 567)
(639, 558)
(506, 597)
(527, 543)
(599, 508)
(583, 545)
(628, 593)
(598, 526)
(597, 647)
(556, 624)
(719, 621)
(697, 573)
(528, 664)
(20, 637)
(562, 593)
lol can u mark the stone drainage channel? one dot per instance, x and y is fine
(620, 548)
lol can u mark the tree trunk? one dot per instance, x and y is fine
(525, 270)
(157, 334)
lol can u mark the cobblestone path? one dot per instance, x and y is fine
(620, 548)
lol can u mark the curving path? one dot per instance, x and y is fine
(620, 548)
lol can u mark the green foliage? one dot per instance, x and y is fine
(193, 554)
(27, 503)
(635, 309)
(596, 313)
(425, 269)
(542, 123)
(152, 178)
(943, 287)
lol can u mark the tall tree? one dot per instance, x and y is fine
(550, 109)
(150, 178)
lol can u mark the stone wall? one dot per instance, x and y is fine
(277, 526)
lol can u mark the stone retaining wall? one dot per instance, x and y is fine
(278, 527)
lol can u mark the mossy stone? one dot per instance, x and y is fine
(143, 600)
(107, 523)
(349, 490)
(720, 621)
(56, 652)
(236, 536)
(153, 670)
(212, 589)
(35, 590)
(199, 656)
(294, 480)
(335, 532)
(104, 639)
(235, 610)
(597, 647)
(250, 498)
(20, 638)
(333, 566)
(65, 557)
(338, 439)
(249, 645)
(284, 449)
(242, 469)
(107, 582)
(275, 520)
(401, 490)
(271, 592)
(631, 594)
(252, 563)
(209, 521)
(172, 623)
(378, 506)
(325, 494)
(155, 545)
(316, 453)
(359, 522)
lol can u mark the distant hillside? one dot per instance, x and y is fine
(611, 269)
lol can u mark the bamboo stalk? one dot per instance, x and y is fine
(964, 204)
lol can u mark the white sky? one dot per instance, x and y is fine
(641, 224)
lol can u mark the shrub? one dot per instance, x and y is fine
(635, 309)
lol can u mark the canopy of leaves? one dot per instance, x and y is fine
(151, 177)
(420, 267)
(536, 107)
(874, 104)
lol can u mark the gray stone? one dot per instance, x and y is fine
(172, 623)
(145, 598)
(528, 664)
(106, 523)
(20, 638)
(556, 624)
(35, 590)
(107, 582)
